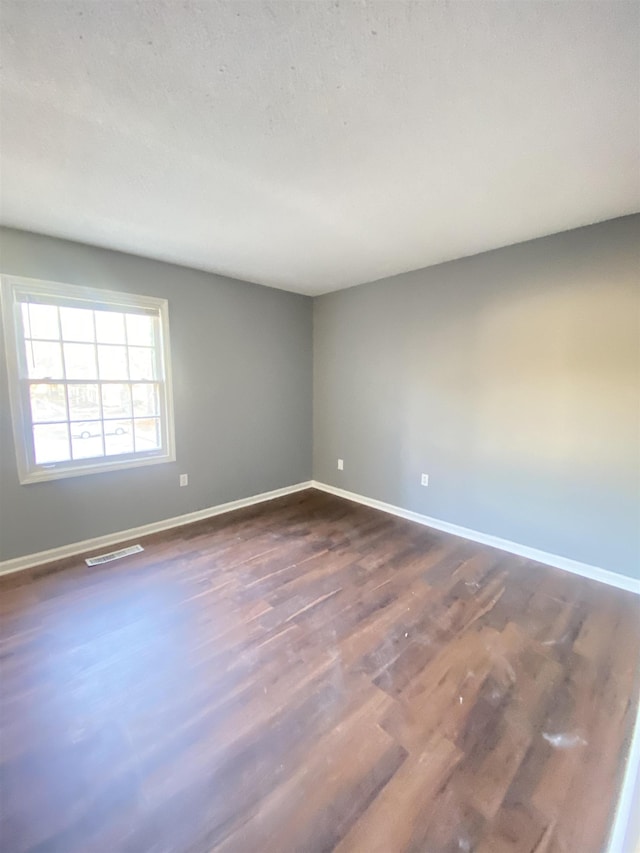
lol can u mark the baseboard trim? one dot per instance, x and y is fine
(28, 561)
(573, 566)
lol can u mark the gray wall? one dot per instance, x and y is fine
(242, 369)
(511, 378)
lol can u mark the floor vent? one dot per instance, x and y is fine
(114, 555)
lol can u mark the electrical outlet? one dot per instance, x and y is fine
(340, 464)
(424, 480)
(184, 479)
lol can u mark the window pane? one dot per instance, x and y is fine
(44, 360)
(48, 403)
(118, 437)
(116, 401)
(141, 363)
(140, 330)
(84, 402)
(77, 324)
(80, 361)
(51, 443)
(113, 362)
(86, 439)
(145, 399)
(148, 434)
(44, 321)
(110, 327)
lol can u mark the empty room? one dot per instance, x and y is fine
(319, 426)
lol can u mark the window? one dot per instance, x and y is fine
(89, 379)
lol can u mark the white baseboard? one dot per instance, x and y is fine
(583, 569)
(28, 561)
(573, 566)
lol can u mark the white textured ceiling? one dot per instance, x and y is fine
(316, 145)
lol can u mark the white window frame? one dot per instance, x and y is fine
(13, 289)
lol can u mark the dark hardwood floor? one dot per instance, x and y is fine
(309, 675)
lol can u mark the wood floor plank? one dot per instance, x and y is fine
(311, 675)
